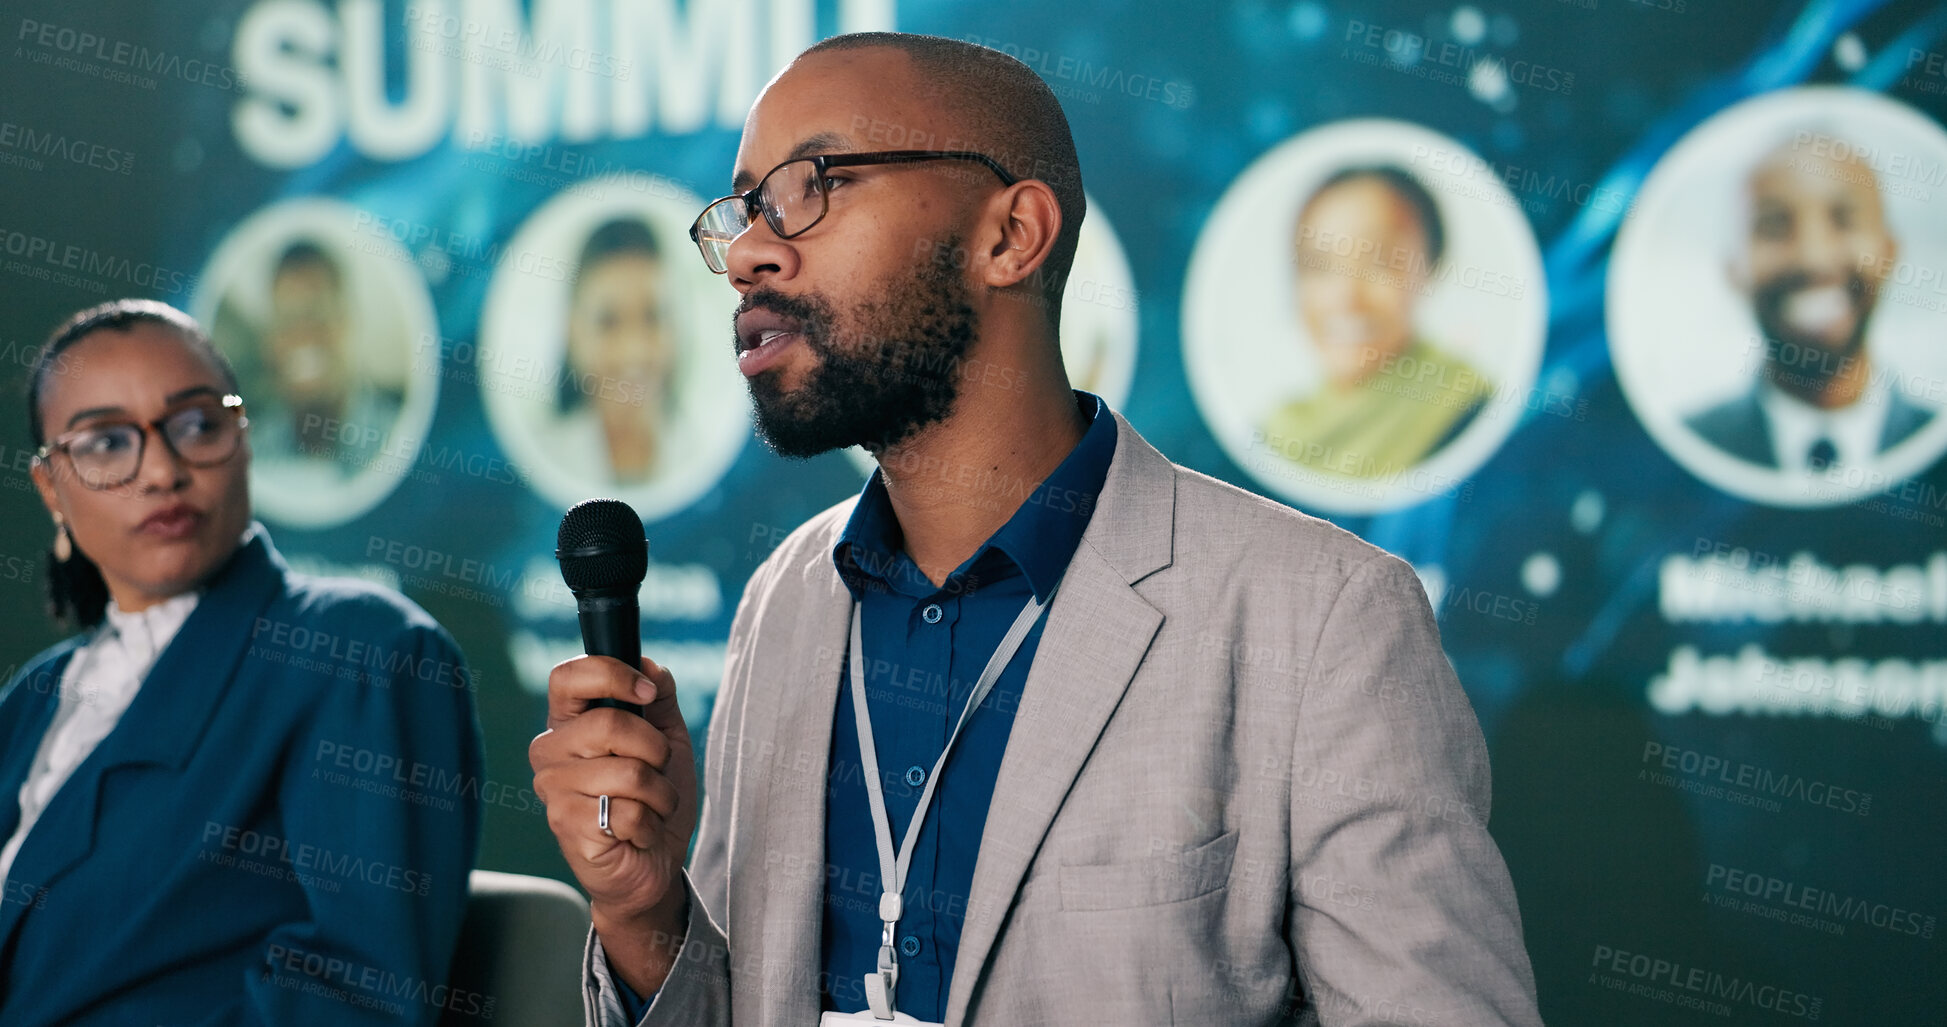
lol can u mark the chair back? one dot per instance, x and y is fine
(519, 956)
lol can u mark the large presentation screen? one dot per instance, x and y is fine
(1623, 321)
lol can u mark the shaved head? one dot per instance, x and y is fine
(1814, 226)
(996, 105)
(860, 327)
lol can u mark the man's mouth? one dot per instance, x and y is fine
(1820, 311)
(768, 336)
(763, 338)
(770, 348)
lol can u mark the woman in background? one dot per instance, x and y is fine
(1368, 242)
(239, 795)
(615, 394)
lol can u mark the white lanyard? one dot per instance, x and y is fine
(892, 871)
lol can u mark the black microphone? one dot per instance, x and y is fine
(603, 559)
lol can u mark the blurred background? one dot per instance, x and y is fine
(1623, 321)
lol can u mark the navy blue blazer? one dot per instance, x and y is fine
(277, 832)
(1738, 426)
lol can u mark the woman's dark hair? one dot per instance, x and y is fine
(1408, 189)
(75, 589)
(304, 253)
(614, 238)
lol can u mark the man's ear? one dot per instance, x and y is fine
(1026, 220)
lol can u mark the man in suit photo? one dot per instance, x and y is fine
(1816, 230)
(1039, 728)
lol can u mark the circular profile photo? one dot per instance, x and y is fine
(319, 318)
(1099, 314)
(1776, 302)
(1363, 317)
(606, 365)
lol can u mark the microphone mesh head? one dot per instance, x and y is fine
(600, 545)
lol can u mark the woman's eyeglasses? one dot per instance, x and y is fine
(110, 454)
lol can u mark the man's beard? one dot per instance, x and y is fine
(1800, 359)
(893, 371)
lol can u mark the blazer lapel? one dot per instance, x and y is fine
(790, 909)
(1098, 631)
(30, 706)
(165, 721)
(200, 662)
(25, 712)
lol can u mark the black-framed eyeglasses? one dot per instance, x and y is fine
(110, 454)
(796, 195)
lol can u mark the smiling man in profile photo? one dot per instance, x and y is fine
(1815, 237)
(1040, 728)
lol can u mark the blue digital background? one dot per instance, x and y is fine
(1601, 858)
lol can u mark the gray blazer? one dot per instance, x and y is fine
(1243, 787)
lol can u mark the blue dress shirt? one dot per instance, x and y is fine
(925, 647)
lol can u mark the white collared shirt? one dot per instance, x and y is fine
(1854, 429)
(100, 680)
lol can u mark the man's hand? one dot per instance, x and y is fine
(646, 766)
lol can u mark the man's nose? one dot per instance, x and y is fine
(1824, 251)
(758, 256)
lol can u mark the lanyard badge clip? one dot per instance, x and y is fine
(879, 986)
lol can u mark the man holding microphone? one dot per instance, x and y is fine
(1041, 728)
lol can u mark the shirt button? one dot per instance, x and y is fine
(932, 613)
(915, 775)
(909, 945)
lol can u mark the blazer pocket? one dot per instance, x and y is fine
(1153, 880)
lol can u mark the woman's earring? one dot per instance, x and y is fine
(63, 546)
